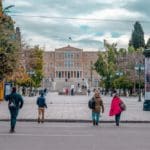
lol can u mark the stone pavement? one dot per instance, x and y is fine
(75, 108)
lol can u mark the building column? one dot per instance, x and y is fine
(81, 74)
(73, 74)
(62, 74)
(65, 74)
(56, 74)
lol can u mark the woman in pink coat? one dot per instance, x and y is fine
(115, 109)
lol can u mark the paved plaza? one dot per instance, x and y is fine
(75, 108)
(77, 135)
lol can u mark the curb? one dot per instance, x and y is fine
(76, 121)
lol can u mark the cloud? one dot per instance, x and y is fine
(19, 3)
(86, 34)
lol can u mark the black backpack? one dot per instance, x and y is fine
(91, 103)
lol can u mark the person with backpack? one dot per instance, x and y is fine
(97, 108)
(116, 108)
(15, 102)
(41, 102)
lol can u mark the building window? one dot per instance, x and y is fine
(71, 55)
(59, 65)
(68, 55)
(68, 63)
(59, 55)
(65, 55)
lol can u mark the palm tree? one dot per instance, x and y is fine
(4, 11)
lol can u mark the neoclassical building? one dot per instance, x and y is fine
(71, 65)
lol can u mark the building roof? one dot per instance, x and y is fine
(68, 48)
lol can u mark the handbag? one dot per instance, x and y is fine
(122, 106)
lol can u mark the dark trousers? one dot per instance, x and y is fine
(13, 116)
(117, 119)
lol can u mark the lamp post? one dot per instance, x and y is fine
(139, 68)
(30, 73)
(119, 74)
(91, 70)
(146, 105)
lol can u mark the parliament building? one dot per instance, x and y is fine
(70, 66)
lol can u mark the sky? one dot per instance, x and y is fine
(80, 23)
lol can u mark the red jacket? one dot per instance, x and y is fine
(115, 106)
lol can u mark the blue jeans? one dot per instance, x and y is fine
(95, 116)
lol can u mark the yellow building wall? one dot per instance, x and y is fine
(1, 91)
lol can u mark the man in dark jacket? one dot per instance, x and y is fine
(41, 107)
(15, 102)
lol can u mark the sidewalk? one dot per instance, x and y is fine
(75, 109)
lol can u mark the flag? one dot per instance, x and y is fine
(70, 38)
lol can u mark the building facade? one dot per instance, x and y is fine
(71, 65)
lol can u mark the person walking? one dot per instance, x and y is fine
(99, 107)
(115, 108)
(15, 102)
(23, 91)
(88, 91)
(41, 102)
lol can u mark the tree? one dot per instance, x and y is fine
(112, 61)
(123, 82)
(106, 64)
(34, 62)
(137, 37)
(148, 43)
(5, 10)
(1, 8)
(8, 43)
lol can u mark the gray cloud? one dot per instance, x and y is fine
(139, 6)
(87, 34)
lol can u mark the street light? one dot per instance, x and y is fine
(139, 68)
(146, 105)
(119, 74)
(92, 67)
(30, 73)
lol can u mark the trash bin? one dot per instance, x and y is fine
(146, 105)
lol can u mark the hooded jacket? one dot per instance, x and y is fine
(99, 106)
(115, 106)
